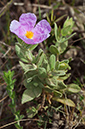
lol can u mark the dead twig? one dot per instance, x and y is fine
(6, 52)
(3, 43)
(18, 121)
(3, 98)
(77, 40)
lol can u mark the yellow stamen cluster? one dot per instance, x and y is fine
(29, 34)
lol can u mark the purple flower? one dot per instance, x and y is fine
(26, 30)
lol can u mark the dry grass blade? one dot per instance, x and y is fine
(35, 5)
(4, 9)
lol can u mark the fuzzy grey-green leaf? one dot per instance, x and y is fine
(27, 67)
(53, 49)
(74, 88)
(68, 102)
(52, 61)
(30, 93)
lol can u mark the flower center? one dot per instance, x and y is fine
(29, 34)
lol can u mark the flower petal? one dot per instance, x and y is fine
(40, 38)
(28, 20)
(26, 40)
(43, 27)
(17, 28)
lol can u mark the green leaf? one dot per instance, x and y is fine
(32, 111)
(23, 53)
(61, 84)
(22, 43)
(65, 77)
(8, 77)
(39, 13)
(30, 74)
(60, 18)
(55, 83)
(41, 59)
(52, 61)
(57, 65)
(52, 82)
(57, 94)
(18, 126)
(67, 27)
(73, 88)
(48, 19)
(54, 91)
(29, 79)
(36, 59)
(63, 66)
(19, 40)
(67, 102)
(62, 46)
(66, 39)
(42, 73)
(29, 55)
(66, 61)
(26, 46)
(45, 64)
(53, 49)
(33, 81)
(20, 53)
(28, 67)
(56, 5)
(56, 29)
(68, 22)
(30, 93)
(66, 31)
(58, 73)
(32, 47)
(51, 15)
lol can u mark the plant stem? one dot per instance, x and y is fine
(43, 99)
(57, 57)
